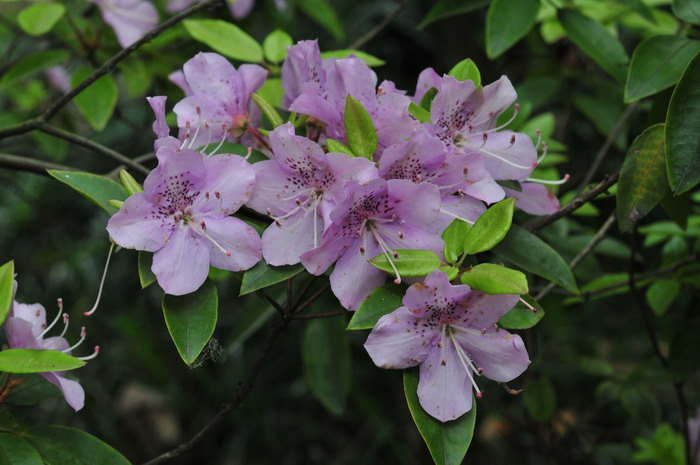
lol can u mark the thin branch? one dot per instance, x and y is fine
(94, 146)
(592, 244)
(306, 288)
(575, 204)
(31, 165)
(312, 298)
(314, 316)
(362, 40)
(272, 302)
(616, 130)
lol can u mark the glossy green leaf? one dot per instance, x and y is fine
(446, 8)
(642, 181)
(95, 187)
(531, 253)
(14, 450)
(522, 317)
(34, 390)
(33, 64)
(540, 398)
(410, 263)
(37, 361)
(225, 38)
(40, 18)
(275, 45)
(7, 277)
(327, 362)
(324, 14)
(508, 21)
(334, 146)
(661, 295)
(682, 122)
(370, 60)
(272, 91)
(451, 272)
(426, 102)
(131, 185)
(419, 113)
(382, 301)
(263, 275)
(687, 10)
(191, 319)
(595, 41)
(146, 276)
(454, 236)
(59, 445)
(447, 442)
(658, 63)
(359, 129)
(491, 227)
(495, 279)
(466, 70)
(98, 101)
(268, 110)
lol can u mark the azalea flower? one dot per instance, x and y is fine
(299, 188)
(183, 216)
(26, 328)
(534, 199)
(451, 333)
(375, 218)
(130, 19)
(694, 438)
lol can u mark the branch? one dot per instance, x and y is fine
(575, 204)
(314, 316)
(362, 40)
(15, 162)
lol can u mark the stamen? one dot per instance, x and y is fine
(201, 229)
(484, 138)
(250, 152)
(83, 334)
(55, 320)
(516, 109)
(90, 357)
(385, 251)
(451, 185)
(527, 304)
(65, 324)
(539, 138)
(466, 363)
(504, 160)
(102, 283)
(455, 216)
(316, 202)
(223, 139)
(199, 126)
(208, 129)
(544, 153)
(545, 181)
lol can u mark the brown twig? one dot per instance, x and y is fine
(362, 40)
(31, 165)
(314, 316)
(311, 299)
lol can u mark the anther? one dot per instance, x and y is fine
(217, 194)
(90, 357)
(400, 235)
(362, 250)
(527, 304)
(65, 325)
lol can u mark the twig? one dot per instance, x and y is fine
(15, 162)
(306, 288)
(592, 244)
(607, 144)
(312, 298)
(574, 205)
(272, 302)
(313, 316)
(362, 40)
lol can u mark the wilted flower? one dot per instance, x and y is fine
(451, 332)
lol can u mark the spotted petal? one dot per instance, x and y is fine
(400, 340)
(501, 355)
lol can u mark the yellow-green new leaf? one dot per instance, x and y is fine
(494, 279)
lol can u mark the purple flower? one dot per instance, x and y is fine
(183, 216)
(427, 79)
(534, 199)
(219, 107)
(451, 332)
(302, 72)
(130, 19)
(26, 328)
(375, 218)
(298, 189)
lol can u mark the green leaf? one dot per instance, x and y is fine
(595, 41)
(540, 399)
(495, 279)
(136, 77)
(521, 317)
(323, 13)
(7, 277)
(451, 272)
(272, 92)
(447, 442)
(658, 63)
(683, 354)
(40, 18)
(466, 70)
(454, 236)
(446, 8)
(37, 361)
(642, 181)
(98, 101)
(531, 253)
(275, 45)
(33, 64)
(327, 362)
(661, 295)
(225, 38)
(491, 227)
(419, 113)
(334, 146)
(426, 102)
(130, 184)
(410, 263)
(687, 10)
(508, 21)
(34, 390)
(665, 447)
(191, 319)
(682, 122)
(359, 130)
(146, 276)
(382, 301)
(16, 451)
(95, 187)
(370, 60)
(263, 275)
(59, 445)
(268, 110)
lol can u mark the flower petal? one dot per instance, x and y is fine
(398, 340)
(35, 314)
(284, 245)
(502, 356)
(138, 225)
(72, 390)
(353, 279)
(19, 334)
(182, 265)
(435, 291)
(535, 199)
(503, 159)
(235, 236)
(229, 182)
